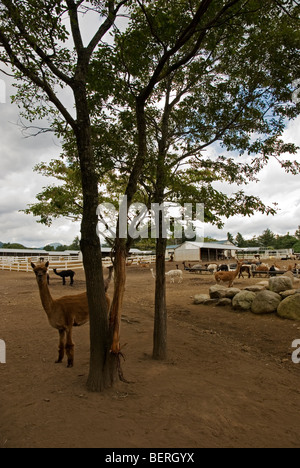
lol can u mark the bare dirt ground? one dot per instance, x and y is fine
(229, 380)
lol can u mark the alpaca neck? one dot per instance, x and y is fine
(46, 298)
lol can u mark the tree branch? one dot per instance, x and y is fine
(159, 41)
(282, 7)
(73, 13)
(32, 43)
(33, 76)
(187, 34)
(112, 13)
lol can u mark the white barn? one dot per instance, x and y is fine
(205, 251)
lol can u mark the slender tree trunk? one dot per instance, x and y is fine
(122, 246)
(160, 319)
(117, 305)
(101, 365)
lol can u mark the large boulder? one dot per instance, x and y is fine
(200, 298)
(280, 283)
(265, 302)
(224, 302)
(285, 294)
(217, 291)
(211, 302)
(255, 288)
(290, 274)
(231, 292)
(289, 308)
(264, 283)
(243, 300)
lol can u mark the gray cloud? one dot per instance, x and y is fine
(19, 184)
(274, 186)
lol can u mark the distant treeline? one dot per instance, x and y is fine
(269, 240)
(49, 248)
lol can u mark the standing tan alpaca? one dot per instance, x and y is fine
(64, 313)
(228, 276)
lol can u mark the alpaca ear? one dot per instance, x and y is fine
(32, 265)
(47, 265)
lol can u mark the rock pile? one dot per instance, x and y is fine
(276, 296)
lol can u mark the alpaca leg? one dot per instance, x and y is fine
(64, 281)
(61, 346)
(70, 349)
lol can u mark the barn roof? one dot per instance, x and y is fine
(207, 245)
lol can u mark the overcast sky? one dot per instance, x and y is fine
(274, 186)
(19, 186)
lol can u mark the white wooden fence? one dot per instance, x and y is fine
(134, 261)
(268, 255)
(23, 264)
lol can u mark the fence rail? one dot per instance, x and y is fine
(268, 255)
(23, 264)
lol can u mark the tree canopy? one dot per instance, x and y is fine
(220, 117)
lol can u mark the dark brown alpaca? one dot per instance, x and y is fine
(64, 313)
(66, 274)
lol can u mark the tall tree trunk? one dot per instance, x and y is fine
(160, 318)
(122, 246)
(101, 372)
(117, 305)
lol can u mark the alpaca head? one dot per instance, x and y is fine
(40, 270)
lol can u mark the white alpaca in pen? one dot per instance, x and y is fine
(172, 275)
